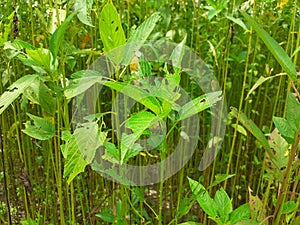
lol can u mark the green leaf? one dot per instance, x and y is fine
(199, 104)
(141, 121)
(293, 112)
(42, 129)
(74, 161)
(112, 153)
(240, 129)
(40, 94)
(205, 201)
(248, 222)
(107, 217)
(82, 80)
(137, 94)
(139, 36)
(41, 57)
(129, 148)
(238, 21)
(260, 81)
(58, 36)
(284, 129)
(276, 50)
(111, 32)
(257, 209)
(190, 223)
(84, 7)
(239, 214)
(289, 207)
(15, 90)
(178, 53)
(88, 139)
(223, 204)
(250, 125)
(220, 178)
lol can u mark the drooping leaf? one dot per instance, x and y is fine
(199, 104)
(74, 160)
(238, 21)
(276, 50)
(240, 214)
(112, 33)
(58, 35)
(84, 7)
(41, 129)
(139, 36)
(40, 94)
(137, 94)
(15, 90)
(250, 125)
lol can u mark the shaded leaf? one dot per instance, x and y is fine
(84, 7)
(238, 21)
(42, 129)
(277, 51)
(240, 214)
(223, 204)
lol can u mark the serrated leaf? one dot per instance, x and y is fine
(42, 129)
(112, 33)
(276, 50)
(15, 90)
(74, 161)
(58, 36)
(84, 7)
(240, 214)
(199, 104)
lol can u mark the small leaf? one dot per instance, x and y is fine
(293, 112)
(220, 178)
(277, 51)
(199, 104)
(15, 90)
(238, 21)
(42, 129)
(289, 207)
(107, 217)
(240, 129)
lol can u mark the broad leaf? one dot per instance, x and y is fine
(277, 51)
(42, 129)
(223, 203)
(111, 32)
(284, 129)
(82, 80)
(15, 90)
(141, 121)
(129, 148)
(240, 214)
(74, 161)
(205, 201)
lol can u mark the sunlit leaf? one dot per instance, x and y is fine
(111, 32)
(15, 90)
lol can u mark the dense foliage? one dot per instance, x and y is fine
(91, 90)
